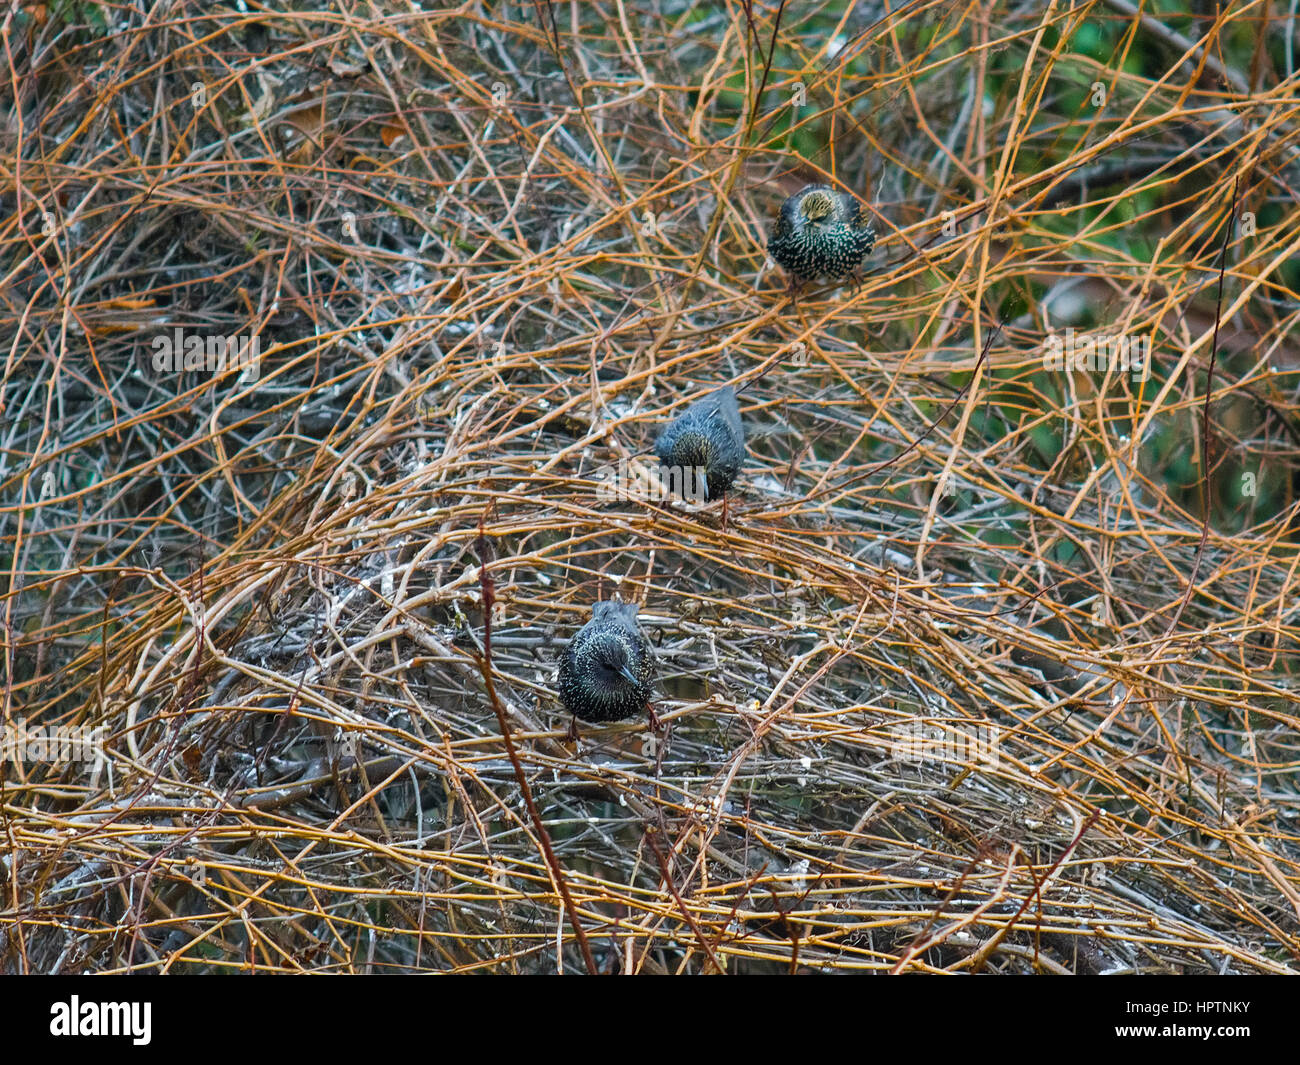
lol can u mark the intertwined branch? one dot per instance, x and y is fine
(991, 666)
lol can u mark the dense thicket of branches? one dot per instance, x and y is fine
(991, 665)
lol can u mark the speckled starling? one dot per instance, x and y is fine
(707, 435)
(607, 671)
(820, 232)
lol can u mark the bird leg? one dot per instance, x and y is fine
(792, 291)
(655, 724)
(572, 734)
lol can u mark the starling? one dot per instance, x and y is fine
(820, 233)
(707, 436)
(606, 672)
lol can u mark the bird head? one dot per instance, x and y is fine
(693, 453)
(817, 206)
(611, 659)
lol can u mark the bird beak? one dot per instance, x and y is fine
(626, 674)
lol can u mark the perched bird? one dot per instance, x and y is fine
(820, 232)
(607, 671)
(708, 436)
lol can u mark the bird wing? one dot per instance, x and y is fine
(611, 610)
(726, 411)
